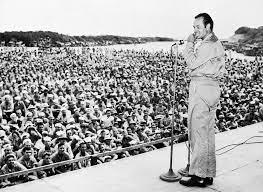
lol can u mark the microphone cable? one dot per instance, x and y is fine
(239, 144)
(235, 145)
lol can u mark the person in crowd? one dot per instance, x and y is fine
(46, 160)
(59, 156)
(83, 153)
(29, 161)
(12, 165)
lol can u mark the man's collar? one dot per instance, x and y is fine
(210, 37)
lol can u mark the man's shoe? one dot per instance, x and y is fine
(193, 181)
(209, 180)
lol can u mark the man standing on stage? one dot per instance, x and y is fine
(206, 65)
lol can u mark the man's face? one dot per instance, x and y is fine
(10, 161)
(108, 141)
(83, 147)
(252, 108)
(27, 154)
(41, 128)
(102, 147)
(46, 157)
(19, 113)
(129, 131)
(58, 128)
(61, 149)
(158, 136)
(103, 134)
(200, 30)
(108, 113)
(29, 117)
(27, 144)
(48, 142)
(31, 110)
(69, 134)
(8, 150)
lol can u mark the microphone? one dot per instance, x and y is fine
(181, 41)
(178, 42)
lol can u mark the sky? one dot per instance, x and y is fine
(166, 18)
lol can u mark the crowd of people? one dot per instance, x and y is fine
(60, 106)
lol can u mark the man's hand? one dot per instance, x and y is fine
(191, 38)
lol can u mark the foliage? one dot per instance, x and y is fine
(31, 38)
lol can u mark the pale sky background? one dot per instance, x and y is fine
(170, 18)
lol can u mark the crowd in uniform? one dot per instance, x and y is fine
(56, 107)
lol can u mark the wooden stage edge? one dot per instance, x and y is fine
(239, 170)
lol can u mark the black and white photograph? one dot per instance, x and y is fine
(131, 96)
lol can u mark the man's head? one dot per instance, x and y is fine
(108, 112)
(83, 147)
(46, 155)
(27, 143)
(8, 149)
(129, 131)
(18, 112)
(27, 152)
(29, 116)
(108, 140)
(101, 146)
(46, 140)
(203, 25)
(61, 148)
(10, 159)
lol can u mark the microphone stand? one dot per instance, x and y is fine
(170, 176)
(185, 171)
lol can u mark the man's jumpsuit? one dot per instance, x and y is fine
(206, 65)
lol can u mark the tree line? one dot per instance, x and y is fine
(49, 38)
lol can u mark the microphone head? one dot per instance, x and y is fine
(181, 42)
(178, 42)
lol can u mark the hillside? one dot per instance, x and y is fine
(248, 35)
(235, 38)
(48, 38)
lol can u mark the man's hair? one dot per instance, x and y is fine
(206, 19)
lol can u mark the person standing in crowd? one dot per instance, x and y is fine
(206, 65)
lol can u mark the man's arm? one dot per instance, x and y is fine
(195, 60)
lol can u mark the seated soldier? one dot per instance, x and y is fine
(59, 156)
(11, 166)
(82, 153)
(46, 160)
(29, 161)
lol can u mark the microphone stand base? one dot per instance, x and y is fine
(184, 171)
(170, 176)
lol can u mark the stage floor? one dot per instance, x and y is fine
(240, 170)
